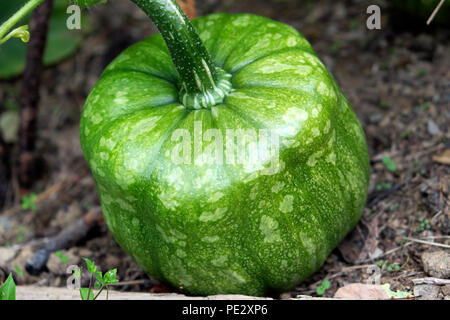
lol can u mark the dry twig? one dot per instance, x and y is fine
(435, 281)
(67, 238)
(442, 245)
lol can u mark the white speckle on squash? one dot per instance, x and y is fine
(253, 192)
(269, 229)
(124, 205)
(315, 132)
(96, 118)
(215, 197)
(323, 89)
(308, 244)
(312, 160)
(291, 42)
(327, 127)
(303, 70)
(236, 276)
(104, 156)
(241, 21)
(295, 114)
(180, 253)
(210, 239)
(168, 201)
(120, 100)
(220, 261)
(277, 186)
(205, 35)
(331, 158)
(213, 216)
(286, 205)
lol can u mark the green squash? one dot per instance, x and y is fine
(170, 192)
(424, 8)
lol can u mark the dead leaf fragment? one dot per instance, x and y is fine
(444, 158)
(361, 291)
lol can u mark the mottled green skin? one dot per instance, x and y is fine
(424, 8)
(227, 228)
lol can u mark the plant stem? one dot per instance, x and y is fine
(98, 293)
(90, 288)
(202, 83)
(8, 24)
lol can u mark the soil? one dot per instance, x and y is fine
(397, 80)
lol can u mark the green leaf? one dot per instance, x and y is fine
(390, 165)
(18, 270)
(85, 293)
(61, 43)
(97, 285)
(87, 3)
(92, 268)
(29, 202)
(326, 284)
(395, 294)
(110, 277)
(323, 287)
(8, 289)
(320, 290)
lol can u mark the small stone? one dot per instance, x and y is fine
(437, 264)
(376, 118)
(426, 292)
(7, 254)
(433, 129)
(446, 290)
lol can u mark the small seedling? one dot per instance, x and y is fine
(390, 165)
(380, 263)
(405, 133)
(384, 105)
(421, 73)
(389, 267)
(425, 106)
(101, 282)
(393, 267)
(416, 163)
(320, 290)
(8, 289)
(383, 186)
(29, 202)
(353, 24)
(61, 257)
(420, 173)
(424, 225)
(336, 46)
(394, 207)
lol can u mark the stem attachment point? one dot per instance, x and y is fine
(207, 97)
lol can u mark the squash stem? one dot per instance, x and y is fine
(203, 85)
